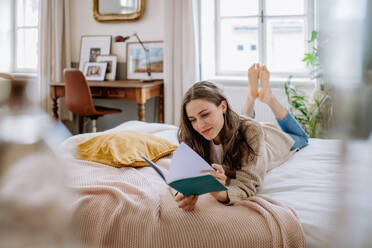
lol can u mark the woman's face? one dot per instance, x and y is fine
(206, 118)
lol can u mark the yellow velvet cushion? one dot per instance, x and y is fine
(123, 148)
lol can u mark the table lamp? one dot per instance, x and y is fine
(120, 38)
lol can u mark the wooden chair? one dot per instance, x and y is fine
(79, 99)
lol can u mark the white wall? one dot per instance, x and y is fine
(150, 27)
(238, 94)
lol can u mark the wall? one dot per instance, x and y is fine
(150, 27)
(238, 94)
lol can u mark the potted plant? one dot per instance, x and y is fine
(315, 112)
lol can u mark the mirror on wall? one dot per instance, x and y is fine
(118, 10)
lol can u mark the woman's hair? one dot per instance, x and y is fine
(230, 134)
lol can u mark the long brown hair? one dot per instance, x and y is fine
(232, 139)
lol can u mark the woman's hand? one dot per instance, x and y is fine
(186, 203)
(219, 174)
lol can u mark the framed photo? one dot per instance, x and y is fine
(111, 61)
(94, 71)
(141, 63)
(91, 47)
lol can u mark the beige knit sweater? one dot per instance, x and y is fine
(273, 148)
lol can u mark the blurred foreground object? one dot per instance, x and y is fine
(348, 67)
(35, 203)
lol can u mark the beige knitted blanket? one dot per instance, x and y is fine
(130, 207)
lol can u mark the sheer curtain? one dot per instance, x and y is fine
(181, 54)
(54, 45)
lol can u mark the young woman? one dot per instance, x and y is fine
(240, 149)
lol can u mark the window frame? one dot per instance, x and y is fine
(15, 29)
(309, 24)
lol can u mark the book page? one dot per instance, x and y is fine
(186, 163)
(162, 174)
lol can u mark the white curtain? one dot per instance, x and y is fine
(180, 54)
(54, 45)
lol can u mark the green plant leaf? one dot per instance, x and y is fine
(310, 117)
(303, 98)
(314, 36)
(309, 59)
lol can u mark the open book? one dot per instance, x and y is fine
(184, 174)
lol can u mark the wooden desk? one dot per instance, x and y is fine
(120, 89)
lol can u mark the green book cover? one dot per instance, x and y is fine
(184, 174)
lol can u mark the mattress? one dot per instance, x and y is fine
(307, 182)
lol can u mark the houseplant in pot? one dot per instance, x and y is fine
(314, 112)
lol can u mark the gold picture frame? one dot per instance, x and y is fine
(118, 17)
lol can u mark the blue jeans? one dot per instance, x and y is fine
(290, 126)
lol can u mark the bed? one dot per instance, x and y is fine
(306, 183)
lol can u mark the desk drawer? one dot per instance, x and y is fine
(96, 91)
(116, 93)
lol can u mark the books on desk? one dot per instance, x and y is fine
(184, 174)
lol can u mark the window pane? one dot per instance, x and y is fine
(285, 7)
(27, 13)
(238, 7)
(5, 35)
(285, 44)
(239, 44)
(27, 43)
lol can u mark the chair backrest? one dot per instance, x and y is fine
(77, 93)
(7, 76)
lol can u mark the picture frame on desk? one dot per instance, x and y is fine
(111, 61)
(145, 62)
(93, 46)
(95, 71)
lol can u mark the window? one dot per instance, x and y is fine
(19, 35)
(237, 33)
(6, 35)
(26, 35)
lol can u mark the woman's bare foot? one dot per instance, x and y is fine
(265, 94)
(253, 75)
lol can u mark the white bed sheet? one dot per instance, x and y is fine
(307, 181)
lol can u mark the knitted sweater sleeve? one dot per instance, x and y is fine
(252, 172)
